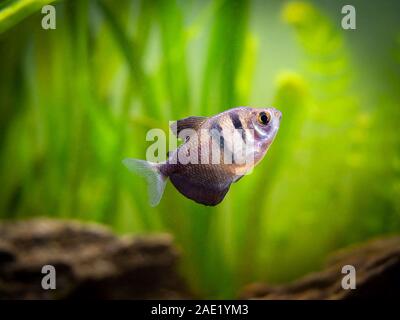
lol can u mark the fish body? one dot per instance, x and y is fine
(217, 151)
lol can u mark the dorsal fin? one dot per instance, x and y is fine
(187, 123)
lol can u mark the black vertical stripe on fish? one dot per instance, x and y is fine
(217, 127)
(238, 124)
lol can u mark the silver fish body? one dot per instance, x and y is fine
(217, 151)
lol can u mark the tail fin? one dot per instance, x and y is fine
(156, 181)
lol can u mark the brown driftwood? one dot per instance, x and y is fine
(90, 262)
(377, 265)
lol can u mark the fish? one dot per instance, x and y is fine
(216, 152)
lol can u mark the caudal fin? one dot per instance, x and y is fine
(156, 181)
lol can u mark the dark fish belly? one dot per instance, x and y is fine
(205, 184)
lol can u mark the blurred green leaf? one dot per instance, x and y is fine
(13, 11)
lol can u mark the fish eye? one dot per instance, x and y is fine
(264, 118)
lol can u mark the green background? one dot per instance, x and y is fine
(77, 100)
